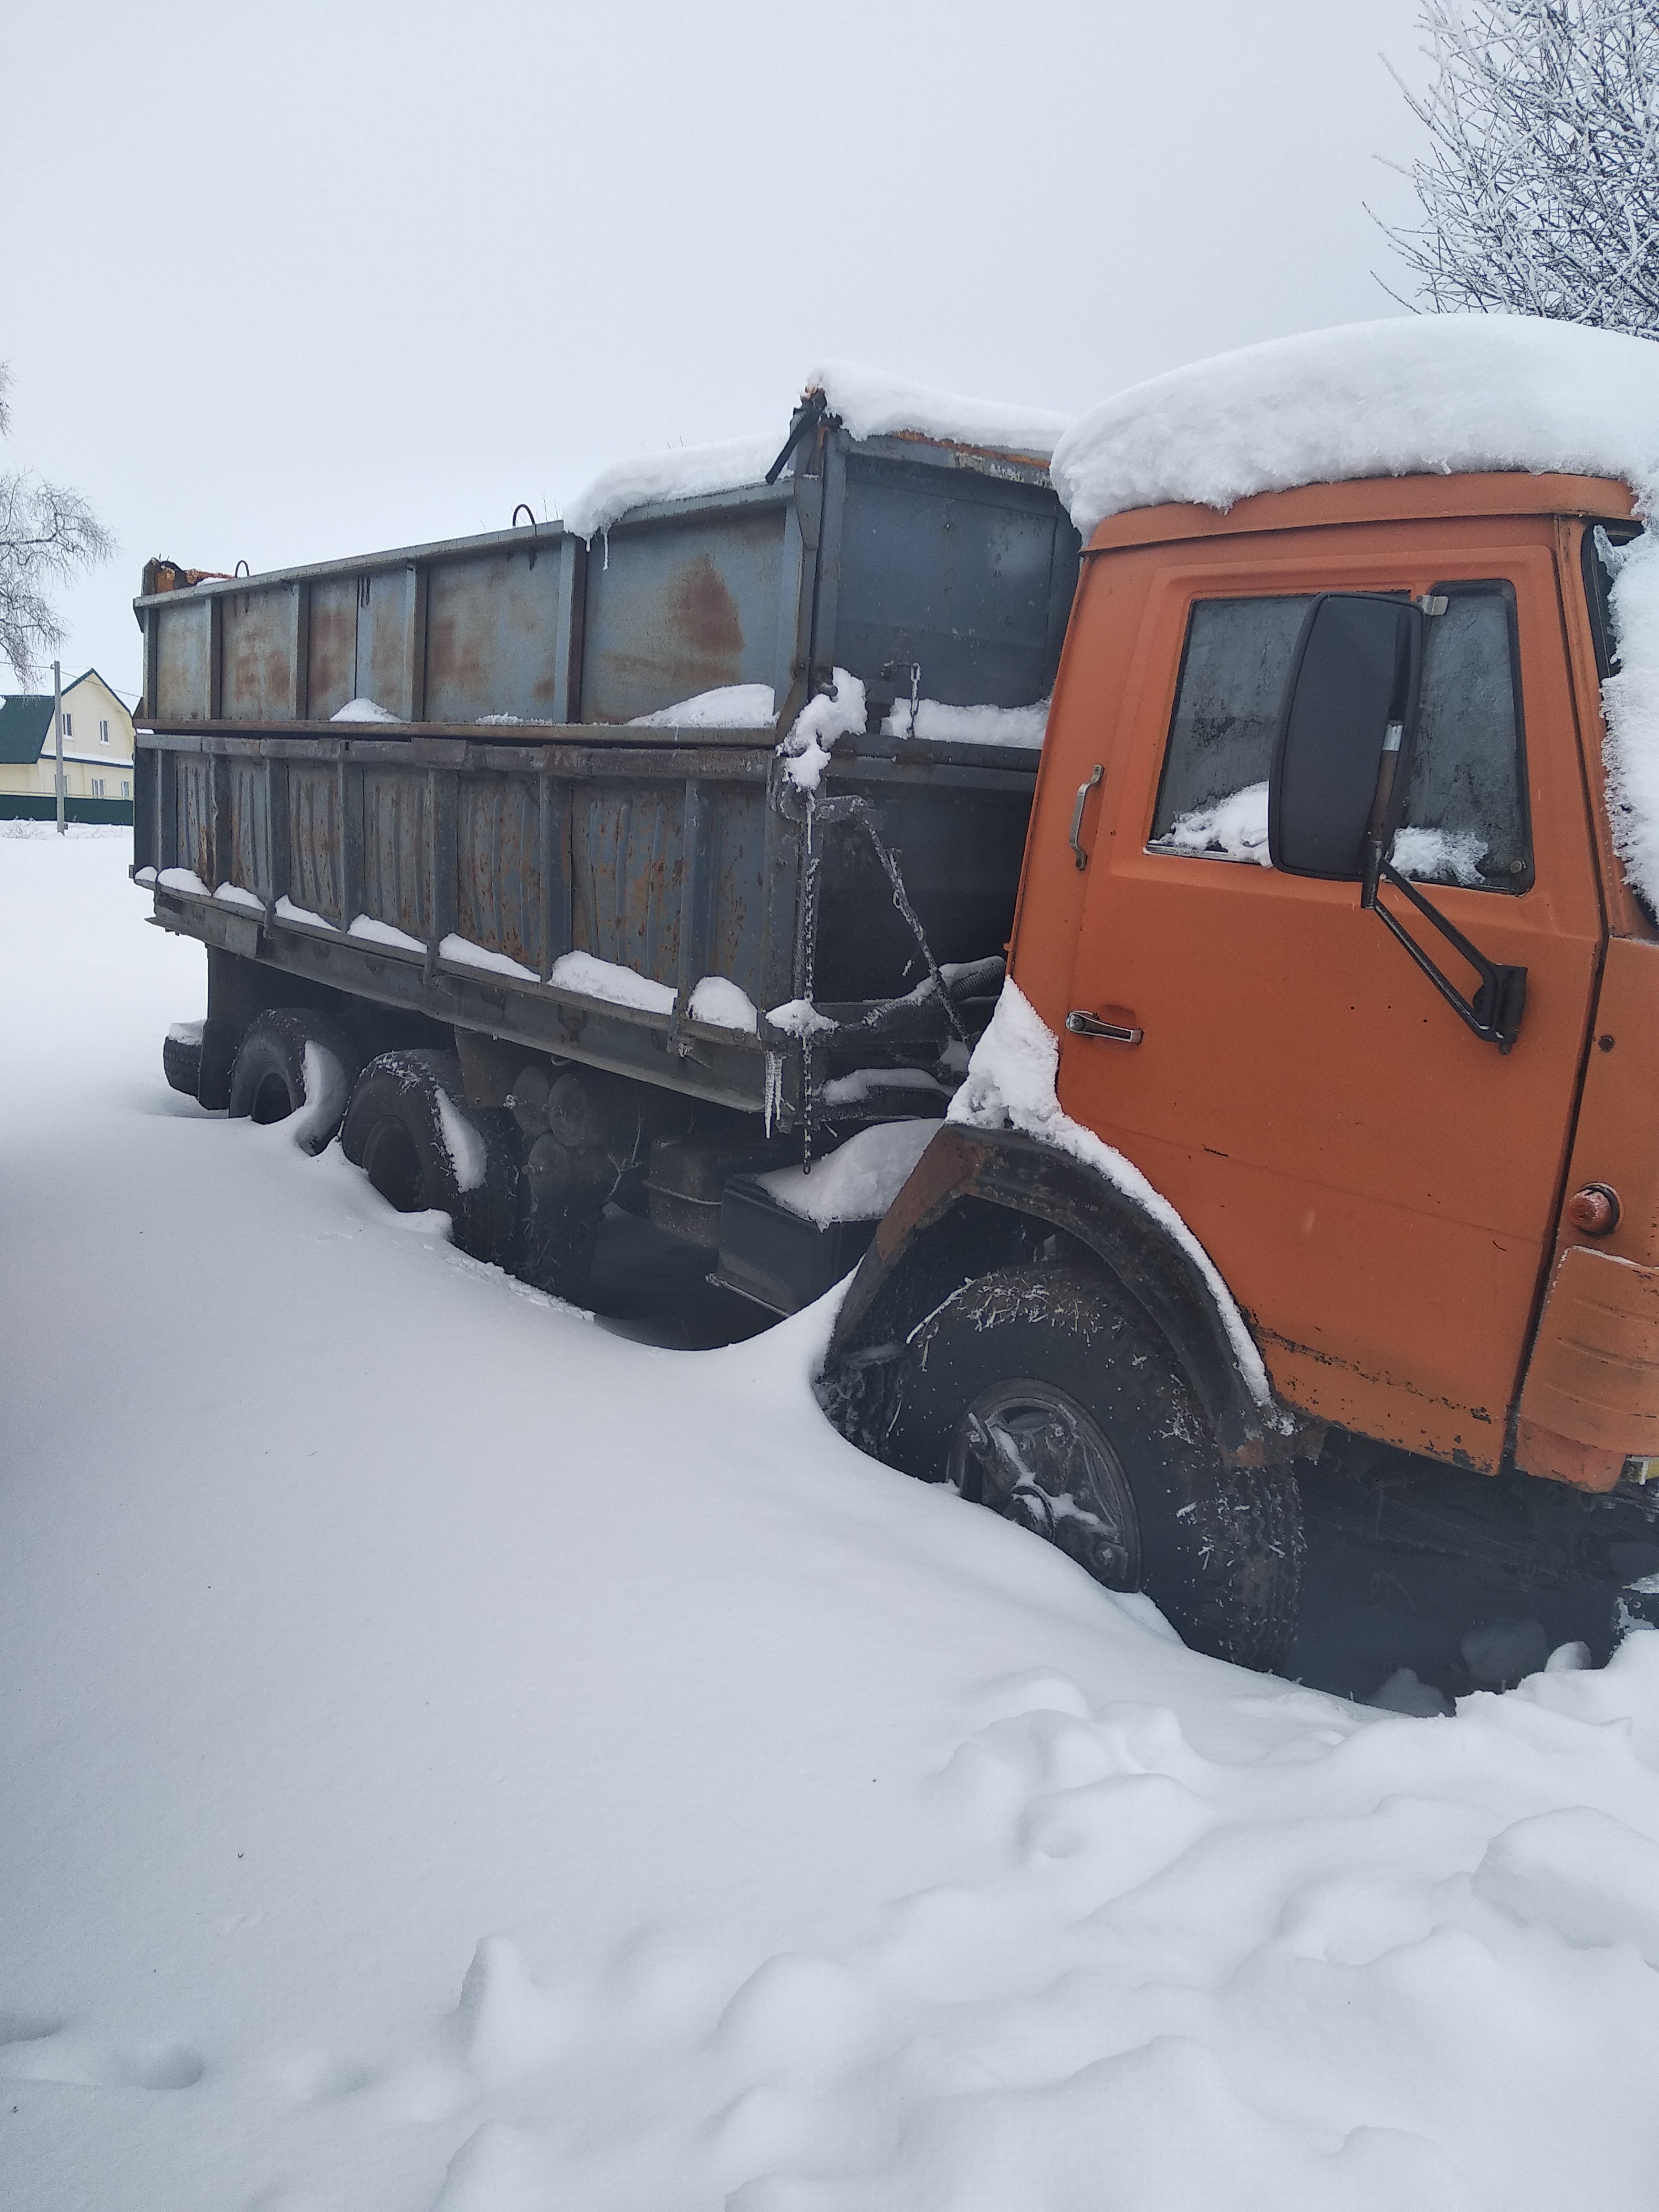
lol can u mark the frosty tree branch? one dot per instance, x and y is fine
(1540, 187)
(47, 535)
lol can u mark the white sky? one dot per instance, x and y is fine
(284, 282)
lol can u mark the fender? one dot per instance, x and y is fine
(938, 1235)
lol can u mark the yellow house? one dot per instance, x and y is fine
(98, 751)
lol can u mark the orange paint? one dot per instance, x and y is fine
(1383, 1192)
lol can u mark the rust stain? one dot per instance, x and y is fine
(704, 612)
(333, 651)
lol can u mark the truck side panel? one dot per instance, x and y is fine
(674, 611)
(1379, 1188)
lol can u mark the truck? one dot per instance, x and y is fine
(1247, 1093)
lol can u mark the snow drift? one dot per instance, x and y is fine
(456, 1759)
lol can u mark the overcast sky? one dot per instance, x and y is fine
(288, 281)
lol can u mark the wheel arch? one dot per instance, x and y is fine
(982, 1199)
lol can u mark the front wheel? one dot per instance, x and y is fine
(1044, 1393)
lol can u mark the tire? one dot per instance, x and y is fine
(423, 1148)
(181, 1057)
(292, 1063)
(1044, 1393)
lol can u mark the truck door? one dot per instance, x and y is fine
(1379, 1186)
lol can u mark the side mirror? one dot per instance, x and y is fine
(1343, 754)
(1340, 768)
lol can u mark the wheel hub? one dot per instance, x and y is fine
(1032, 1453)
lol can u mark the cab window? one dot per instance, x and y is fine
(1465, 819)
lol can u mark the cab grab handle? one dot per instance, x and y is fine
(1075, 840)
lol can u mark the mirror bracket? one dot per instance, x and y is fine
(1494, 1011)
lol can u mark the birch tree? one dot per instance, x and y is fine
(47, 535)
(1540, 188)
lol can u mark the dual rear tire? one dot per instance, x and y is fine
(294, 1065)
(1041, 1391)
(403, 1118)
(412, 1131)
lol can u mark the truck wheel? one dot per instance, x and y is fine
(181, 1056)
(423, 1147)
(292, 1062)
(1045, 1394)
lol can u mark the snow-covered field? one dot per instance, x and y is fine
(452, 1756)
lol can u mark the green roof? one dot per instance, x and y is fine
(24, 725)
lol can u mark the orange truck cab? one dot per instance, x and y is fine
(1350, 1019)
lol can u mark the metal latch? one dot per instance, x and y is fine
(1082, 1025)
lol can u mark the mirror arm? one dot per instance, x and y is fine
(1495, 1010)
(1379, 830)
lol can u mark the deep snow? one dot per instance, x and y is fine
(456, 1758)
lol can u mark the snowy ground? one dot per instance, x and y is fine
(452, 1756)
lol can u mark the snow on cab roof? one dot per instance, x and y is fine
(868, 401)
(1412, 396)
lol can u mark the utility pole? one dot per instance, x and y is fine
(58, 724)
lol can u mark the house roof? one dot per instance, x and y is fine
(26, 722)
(86, 673)
(24, 725)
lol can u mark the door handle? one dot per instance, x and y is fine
(1075, 840)
(1082, 1025)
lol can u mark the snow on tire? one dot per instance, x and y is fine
(423, 1148)
(294, 1064)
(1044, 1393)
(181, 1057)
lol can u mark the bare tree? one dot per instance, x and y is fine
(46, 534)
(1539, 190)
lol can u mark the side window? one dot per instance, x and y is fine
(1465, 818)
(1213, 797)
(1465, 815)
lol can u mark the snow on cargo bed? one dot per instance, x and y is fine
(870, 403)
(731, 707)
(874, 404)
(456, 1759)
(1023, 726)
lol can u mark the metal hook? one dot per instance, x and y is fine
(524, 507)
(241, 569)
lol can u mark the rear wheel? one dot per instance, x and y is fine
(293, 1063)
(423, 1148)
(1045, 1394)
(181, 1057)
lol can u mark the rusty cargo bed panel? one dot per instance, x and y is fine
(509, 815)
(672, 860)
(879, 556)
